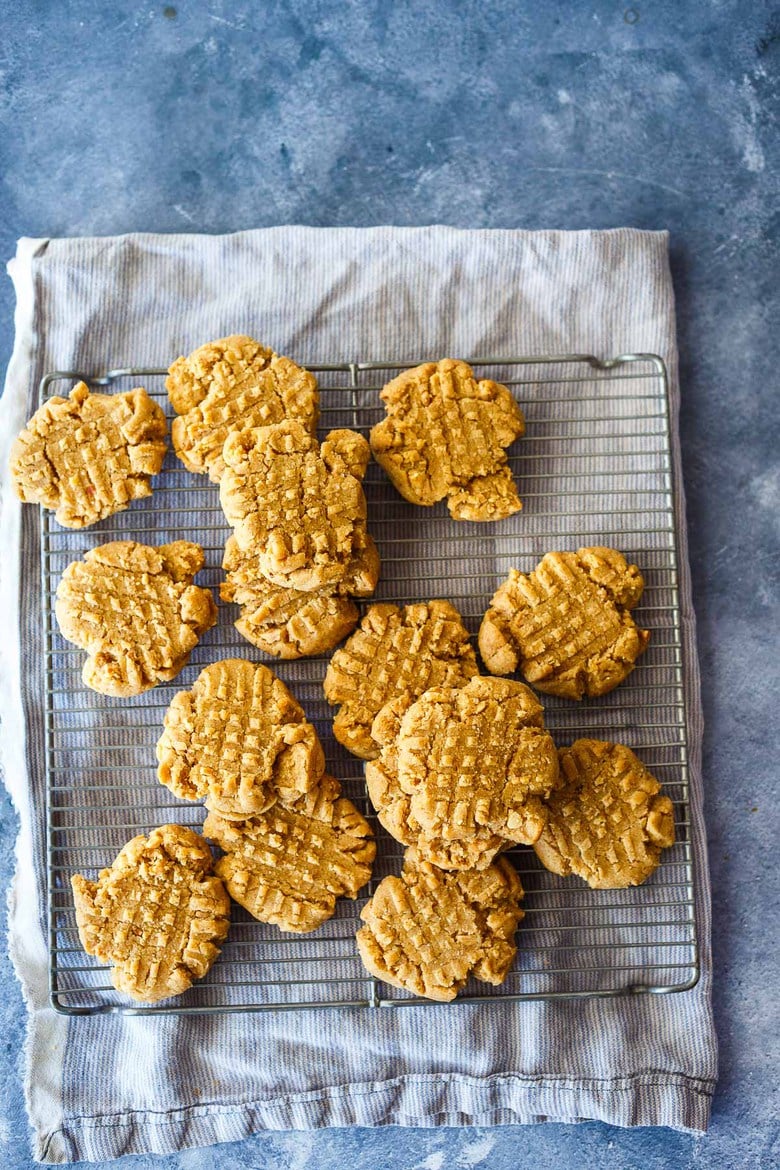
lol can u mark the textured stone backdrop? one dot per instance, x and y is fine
(217, 116)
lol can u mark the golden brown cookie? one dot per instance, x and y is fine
(395, 653)
(608, 823)
(89, 455)
(477, 760)
(135, 611)
(393, 805)
(239, 740)
(567, 625)
(287, 866)
(287, 622)
(296, 506)
(157, 913)
(427, 930)
(445, 434)
(229, 385)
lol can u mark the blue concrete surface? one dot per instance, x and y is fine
(507, 113)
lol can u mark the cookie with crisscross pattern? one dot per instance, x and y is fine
(157, 913)
(567, 625)
(445, 435)
(427, 930)
(295, 505)
(609, 821)
(287, 866)
(395, 654)
(393, 805)
(289, 623)
(477, 759)
(135, 611)
(229, 385)
(89, 455)
(239, 740)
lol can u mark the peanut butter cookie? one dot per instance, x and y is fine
(393, 805)
(157, 914)
(567, 625)
(288, 622)
(287, 866)
(233, 384)
(608, 823)
(89, 455)
(477, 761)
(239, 740)
(395, 653)
(445, 434)
(427, 930)
(295, 505)
(135, 611)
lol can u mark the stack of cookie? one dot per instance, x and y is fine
(458, 767)
(300, 550)
(462, 773)
(293, 844)
(300, 547)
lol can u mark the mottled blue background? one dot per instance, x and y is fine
(508, 113)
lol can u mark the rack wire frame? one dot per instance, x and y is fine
(574, 942)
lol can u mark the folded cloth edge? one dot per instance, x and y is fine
(47, 1030)
(422, 1102)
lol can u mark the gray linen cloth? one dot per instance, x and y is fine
(104, 1086)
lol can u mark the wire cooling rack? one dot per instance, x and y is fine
(593, 468)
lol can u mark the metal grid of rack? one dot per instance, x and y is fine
(593, 468)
